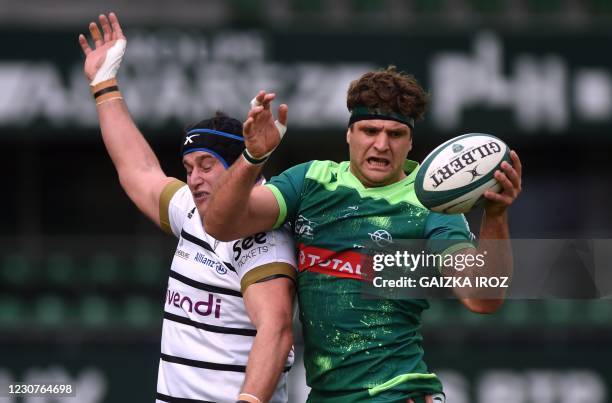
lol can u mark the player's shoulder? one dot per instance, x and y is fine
(260, 248)
(178, 193)
(325, 171)
(314, 170)
(175, 206)
(273, 237)
(184, 198)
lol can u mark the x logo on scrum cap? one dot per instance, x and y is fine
(188, 139)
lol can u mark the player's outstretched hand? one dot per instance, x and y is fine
(102, 61)
(510, 179)
(261, 133)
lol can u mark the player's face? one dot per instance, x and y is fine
(203, 172)
(378, 149)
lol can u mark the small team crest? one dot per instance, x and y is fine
(381, 237)
(221, 269)
(305, 227)
(457, 148)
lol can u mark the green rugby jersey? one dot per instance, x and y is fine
(357, 349)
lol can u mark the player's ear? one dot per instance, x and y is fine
(348, 134)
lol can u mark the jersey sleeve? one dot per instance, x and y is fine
(287, 189)
(264, 255)
(447, 233)
(174, 203)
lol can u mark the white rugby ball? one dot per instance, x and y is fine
(454, 176)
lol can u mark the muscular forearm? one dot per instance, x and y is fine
(495, 227)
(267, 360)
(139, 171)
(494, 242)
(125, 144)
(227, 215)
(494, 249)
(495, 245)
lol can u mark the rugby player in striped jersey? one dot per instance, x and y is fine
(228, 310)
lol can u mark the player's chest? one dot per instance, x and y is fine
(205, 260)
(351, 223)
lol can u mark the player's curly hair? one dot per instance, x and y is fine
(389, 90)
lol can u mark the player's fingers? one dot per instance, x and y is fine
(268, 100)
(428, 399)
(246, 127)
(255, 111)
(106, 28)
(269, 97)
(410, 401)
(95, 34)
(511, 173)
(283, 111)
(507, 185)
(84, 45)
(260, 96)
(516, 163)
(498, 198)
(114, 21)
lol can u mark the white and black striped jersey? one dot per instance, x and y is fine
(207, 334)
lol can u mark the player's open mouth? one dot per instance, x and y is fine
(378, 162)
(199, 196)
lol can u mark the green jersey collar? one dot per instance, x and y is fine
(410, 168)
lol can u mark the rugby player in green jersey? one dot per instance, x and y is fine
(359, 349)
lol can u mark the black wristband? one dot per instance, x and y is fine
(241, 401)
(252, 160)
(106, 91)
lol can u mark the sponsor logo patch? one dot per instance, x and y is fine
(188, 139)
(304, 227)
(381, 237)
(191, 213)
(182, 254)
(249, 248)
(209, 306)
(212, 263)
(347, 264)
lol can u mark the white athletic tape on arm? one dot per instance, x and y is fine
(282, 129)
(111, 63)
(254, 102)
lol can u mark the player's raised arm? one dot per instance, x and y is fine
(137, 166)
(236, 208)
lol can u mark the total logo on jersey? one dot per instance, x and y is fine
(249, 248)
(346, 264)
(202, 308)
